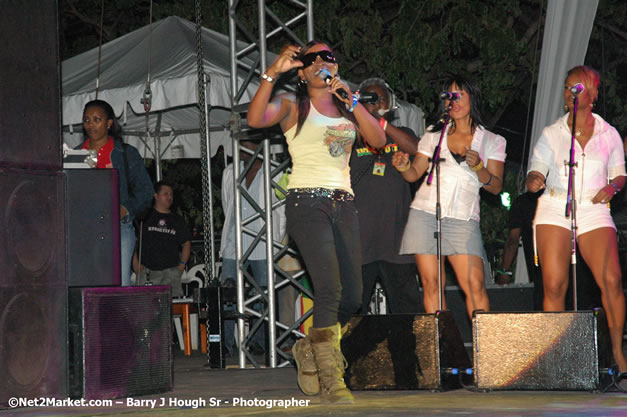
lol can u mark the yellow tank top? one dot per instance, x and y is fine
(321, 152)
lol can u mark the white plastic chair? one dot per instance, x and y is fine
(194, 274)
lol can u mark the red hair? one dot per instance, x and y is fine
(590, 77)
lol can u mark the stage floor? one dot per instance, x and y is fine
(197, 390)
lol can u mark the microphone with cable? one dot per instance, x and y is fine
(577, 89)
(368, 97)
(327, 77)
(449, 95)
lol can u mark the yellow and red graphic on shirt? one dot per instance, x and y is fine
(367, 150)
(339, 139)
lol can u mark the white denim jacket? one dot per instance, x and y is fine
(601, 160)
(459, 185)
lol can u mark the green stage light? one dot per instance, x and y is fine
(506, 200)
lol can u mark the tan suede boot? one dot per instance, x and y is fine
(306, 365)
(325, 343)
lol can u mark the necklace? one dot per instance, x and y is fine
(578, 132)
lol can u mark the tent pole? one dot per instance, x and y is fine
(212, 270)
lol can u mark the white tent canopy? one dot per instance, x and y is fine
(174, 114)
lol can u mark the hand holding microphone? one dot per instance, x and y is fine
(337, 86)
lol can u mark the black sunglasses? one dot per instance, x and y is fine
(310, 58)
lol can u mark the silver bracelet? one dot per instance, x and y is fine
(268, 78)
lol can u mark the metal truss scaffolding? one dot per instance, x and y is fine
(259, 304)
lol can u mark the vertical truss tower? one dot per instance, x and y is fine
(249, 294)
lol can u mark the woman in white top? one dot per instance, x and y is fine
(473, 158)
(320, 123)
(599, 175)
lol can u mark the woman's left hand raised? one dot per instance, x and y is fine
(472, 157)
(604, 195)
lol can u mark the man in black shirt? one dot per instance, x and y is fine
(382, 198)
(165, 244)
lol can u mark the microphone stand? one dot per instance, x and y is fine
(571, 203)
(435, 167)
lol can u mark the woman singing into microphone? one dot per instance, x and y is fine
(320, 127)
(599, 175)
(472, 158)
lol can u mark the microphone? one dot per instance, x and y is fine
(368, 97)
(577, 88)
(449, 95)
(327, 77)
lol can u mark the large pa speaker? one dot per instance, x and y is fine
(503, 298)
(93, 227)
(120, 341)
(30, 98)
(540, 351)
(403, 351)
(33, 292)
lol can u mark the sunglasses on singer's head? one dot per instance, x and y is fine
(310, 58)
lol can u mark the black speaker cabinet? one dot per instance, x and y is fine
(120, 341)
(403, 351)
(30, 98)
(33, 289)
(540, 351)
(93, 227)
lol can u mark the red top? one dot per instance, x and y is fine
(104, 153)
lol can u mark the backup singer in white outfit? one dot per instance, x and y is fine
(473, 159)
(599, 175)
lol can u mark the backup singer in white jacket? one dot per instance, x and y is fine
(599, 175)
(473, 159)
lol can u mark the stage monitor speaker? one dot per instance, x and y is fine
(33, 289)
(120, 341)
(93, 224)
(506, 298)
(403, 352)
(30, 99)
(540, 351)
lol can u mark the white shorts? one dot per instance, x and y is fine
(589, 216)
(553, 211)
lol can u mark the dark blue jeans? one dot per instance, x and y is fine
(327, 235)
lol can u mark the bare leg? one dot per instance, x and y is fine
(599, 249)
(554, 252)
(428, 271)
(469, 272)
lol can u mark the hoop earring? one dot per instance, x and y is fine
(302, 82)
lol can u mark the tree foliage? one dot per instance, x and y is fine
(413, 44)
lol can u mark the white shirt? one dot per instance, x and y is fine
(601, 160)
(459, 185)
(256, 191)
